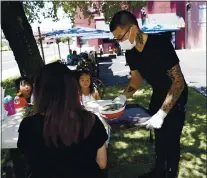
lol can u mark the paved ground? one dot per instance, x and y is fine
(9, 66)
(193, 64)
(113, 70)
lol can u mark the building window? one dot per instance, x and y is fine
(83, 42)
(202, 14)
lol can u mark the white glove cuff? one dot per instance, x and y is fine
(123, 97)
(161, 113)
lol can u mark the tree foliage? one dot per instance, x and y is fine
(33, 9)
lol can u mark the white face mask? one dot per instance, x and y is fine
(126, 44)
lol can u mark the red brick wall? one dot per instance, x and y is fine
(168, 7)
(180, 35)
(81, 21)
(152, 7)
(158, 7)
(196, 38)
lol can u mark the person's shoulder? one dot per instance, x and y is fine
(31, 119)
(154, 37)
(129, 54)
(97, 121)
(158, 38)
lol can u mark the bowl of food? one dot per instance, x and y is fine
(112, 110)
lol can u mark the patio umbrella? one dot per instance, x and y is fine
(90, 33)
(98, 36)
(153, 28)
(76, 32)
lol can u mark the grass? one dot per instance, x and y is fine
(130, 152)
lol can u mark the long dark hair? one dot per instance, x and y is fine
(80, 73)
(57, 97)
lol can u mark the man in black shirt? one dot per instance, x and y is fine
(153, 58)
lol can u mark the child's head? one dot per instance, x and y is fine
(74, 52)
(85, 80)
(24, 85)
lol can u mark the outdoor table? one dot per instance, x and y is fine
(9, 130)
(133, 116)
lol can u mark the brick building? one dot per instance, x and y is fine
(190, 35)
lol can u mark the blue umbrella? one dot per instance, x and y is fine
(76, 31)
(157, 29)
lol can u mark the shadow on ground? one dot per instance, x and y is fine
(107, 75)
(131, 153)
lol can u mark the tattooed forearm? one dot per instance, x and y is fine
(140, 38)
(176, 89)
(129, 91)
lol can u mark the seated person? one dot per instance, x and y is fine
(69, 56)
(74, 58)
(24, 88)
(62, 139)
(87, 89)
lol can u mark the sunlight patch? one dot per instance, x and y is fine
(139, 92)
(121, 145)
(136, 134)
(123, 156)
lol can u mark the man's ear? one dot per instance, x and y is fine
(134, 31)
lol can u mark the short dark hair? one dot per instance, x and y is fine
(23, 81)
(122, 19)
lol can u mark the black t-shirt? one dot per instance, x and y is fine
(76, 161)
(157, 57)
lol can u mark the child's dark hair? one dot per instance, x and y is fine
(24, 81)
(80, 73)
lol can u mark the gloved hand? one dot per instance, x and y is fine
(120, 99)
(156, 120)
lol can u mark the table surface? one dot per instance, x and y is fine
(133, 116)
(10, 125)
(9, 130)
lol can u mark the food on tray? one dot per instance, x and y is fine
(111, 107)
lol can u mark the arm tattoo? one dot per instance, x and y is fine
(176, 89)
(140, 38)
(129, 91)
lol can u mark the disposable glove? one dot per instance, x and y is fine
(156, 120)
(120, 99)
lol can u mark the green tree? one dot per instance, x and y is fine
(16, 16)
(108, 8)
(18, 32)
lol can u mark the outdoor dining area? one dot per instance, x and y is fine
(130, 116)
(116, 117)
(120, 117)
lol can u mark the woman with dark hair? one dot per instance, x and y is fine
(62, 139)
